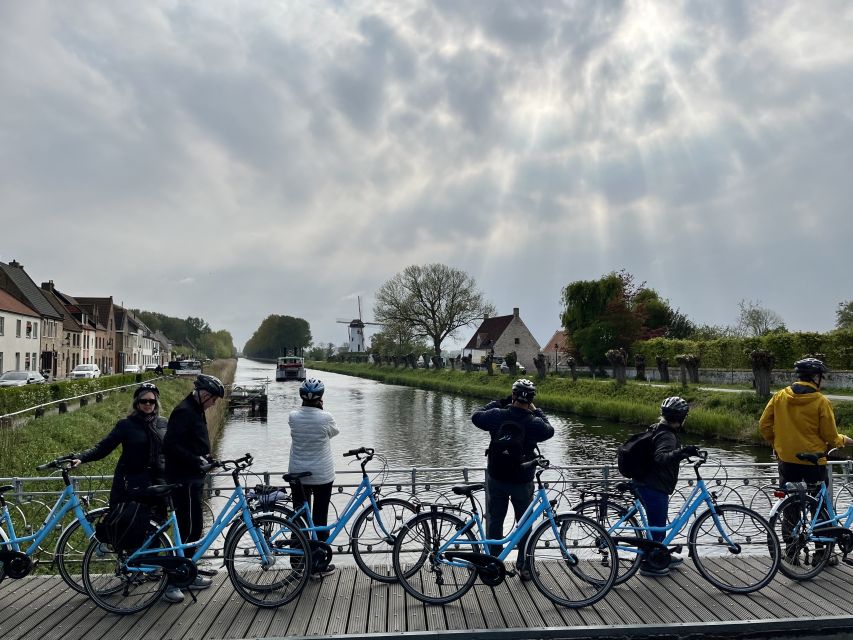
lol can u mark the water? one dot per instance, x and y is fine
(416, 428)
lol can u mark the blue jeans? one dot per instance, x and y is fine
(657, 508)
(498, 496)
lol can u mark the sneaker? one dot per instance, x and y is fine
(328, 570)
(650, 572)
(675, 561)
(201, 582)
(818, 556)
(526, 575)
(173, 594)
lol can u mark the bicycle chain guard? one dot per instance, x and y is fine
(16, 564)
(490, 570)
(321, 554)
(843, 537)
(181, 571)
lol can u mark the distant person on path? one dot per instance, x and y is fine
(656, 485)
(799, 418)
(187, 449)
(311, 429)
(516, 425)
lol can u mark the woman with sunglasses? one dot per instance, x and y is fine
(141, 463)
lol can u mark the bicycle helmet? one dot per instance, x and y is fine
(210, 384)
(144, 388)
(810, 367)
(524, 390)
(311, 389)
(674, 408)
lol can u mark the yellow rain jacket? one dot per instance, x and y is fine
(795, 422)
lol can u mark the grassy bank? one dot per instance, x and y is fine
(45, 438)
(722, 415)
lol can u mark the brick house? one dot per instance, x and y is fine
(102, 310)
(18, 347)
(556, 349)
(499, 336)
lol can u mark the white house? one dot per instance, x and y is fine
(501, 335)
(20, 328)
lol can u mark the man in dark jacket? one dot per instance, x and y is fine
(508, 481)
(187, 449)
(657, 484)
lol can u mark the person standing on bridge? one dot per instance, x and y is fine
(187, 450)
(515, 425)
(311, 429)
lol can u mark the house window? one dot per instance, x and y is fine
(26, 361)
(17, 328)
(517, 341)
(35, 330)
(29, 330)
(17, 362)
(1, 360)
(2, 325)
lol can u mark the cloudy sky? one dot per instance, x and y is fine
(230, 160)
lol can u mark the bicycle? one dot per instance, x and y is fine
(562, 553)
(373, 532)
(126, 582)
(719, 532)
(809, 527)
(18, 563)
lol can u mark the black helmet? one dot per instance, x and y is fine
(210, 384)
(144, 388)
(524, 390)
(810, 367)
(674, 408)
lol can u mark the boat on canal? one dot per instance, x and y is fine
(290, 368)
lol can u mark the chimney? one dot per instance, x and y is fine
(485, 316)
(15, 263)
(47, 286)
(515, 311)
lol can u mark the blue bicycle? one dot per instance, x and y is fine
(438, 555)
(733, 547)
(808, 526)
(16, 552)
(374, 530)
(267, 557)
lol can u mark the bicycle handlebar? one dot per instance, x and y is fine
(357, 452)
(239, 463)
(59, 463)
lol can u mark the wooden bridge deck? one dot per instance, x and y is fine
(348, 603)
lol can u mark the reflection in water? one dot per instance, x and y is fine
(416, 428)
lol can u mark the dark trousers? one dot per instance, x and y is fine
(790, 472)
(318, 497)
(188, 501)
(498, 496)
(656, 504)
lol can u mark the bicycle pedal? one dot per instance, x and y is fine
(511, 573)
(207, 572)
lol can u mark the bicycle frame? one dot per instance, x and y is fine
(844, 519)
(67, 501)
(364, 491)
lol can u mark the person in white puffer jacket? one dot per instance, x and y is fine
(311, 430)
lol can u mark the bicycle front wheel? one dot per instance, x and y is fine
(565, 560)
(373, 536)
(72, 544)
(734, 548)
(608, 513)
(268, 564)
(802, 558)
(422, 567)
(115, 587)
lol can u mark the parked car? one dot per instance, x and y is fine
(20, 378)
(132, 368)
(85, 371)
(151, 366)
(519, 368)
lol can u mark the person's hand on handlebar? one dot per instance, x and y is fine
(689, 451)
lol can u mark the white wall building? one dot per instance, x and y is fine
(20, 328)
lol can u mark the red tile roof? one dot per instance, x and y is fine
(492, 329)
(11, 304)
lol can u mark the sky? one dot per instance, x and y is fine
(232, 160)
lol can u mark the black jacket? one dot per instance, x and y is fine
(141, 460)
(536, 429)
(663, 474)
(187, 441)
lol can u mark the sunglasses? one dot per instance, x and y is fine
(147, 401)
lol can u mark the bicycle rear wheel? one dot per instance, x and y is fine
(734, 548)
(274, 575)
(373, 535)
(116, 588)
(802, 558)
(425, 573)
(565, 560)
(608, 513)
(72, 544)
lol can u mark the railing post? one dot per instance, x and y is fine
(606, 475)
(19, 489)
(465, 474)
(414, 480)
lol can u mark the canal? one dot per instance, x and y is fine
(416, 428)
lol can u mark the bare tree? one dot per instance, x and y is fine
(433, 300)
(756, 320)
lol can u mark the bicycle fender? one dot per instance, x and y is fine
(776, 507)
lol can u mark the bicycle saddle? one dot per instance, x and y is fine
(290, 477)
(468, 489)
(160, 490)
(814, 458)
(6, 487)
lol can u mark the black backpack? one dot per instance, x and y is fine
(506, 450)
(637, 454)
(125, 526)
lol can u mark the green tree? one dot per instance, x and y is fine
(598, 316)
(277, 333)
(316, 352)
(844, 315)
(659, 318)
(433, 300)
(398, 340)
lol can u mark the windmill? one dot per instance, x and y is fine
(355, 330)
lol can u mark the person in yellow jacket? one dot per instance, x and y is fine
(799, 418)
